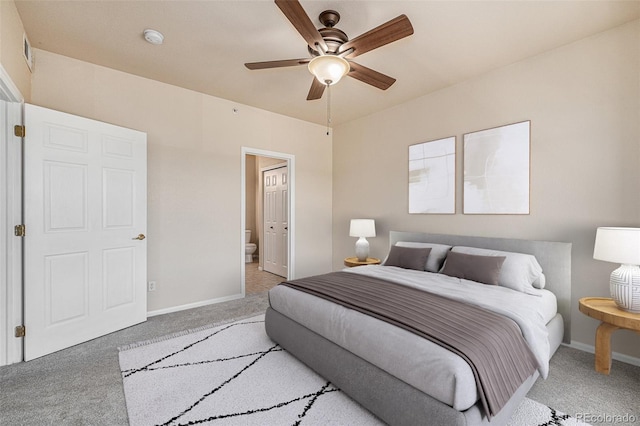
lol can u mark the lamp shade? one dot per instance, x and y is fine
(329, 69)
(362, 228)
(618, 245)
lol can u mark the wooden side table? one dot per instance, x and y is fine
(612, 318)
(353, 261)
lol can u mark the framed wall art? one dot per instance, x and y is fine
(496, 170)
(432, 176)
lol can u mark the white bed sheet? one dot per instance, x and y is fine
(417, 361)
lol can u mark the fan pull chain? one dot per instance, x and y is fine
(328, 106)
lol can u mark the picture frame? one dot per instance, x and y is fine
(497, 170)
(432, 177)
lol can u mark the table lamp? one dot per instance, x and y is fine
(621, 245)
(362, 228)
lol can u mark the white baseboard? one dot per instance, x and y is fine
(615, 355)
(193, 305)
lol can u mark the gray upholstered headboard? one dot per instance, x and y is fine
(554, 257)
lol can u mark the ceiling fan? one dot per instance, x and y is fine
(331, 50)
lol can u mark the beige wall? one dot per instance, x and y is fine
(11, 32)
(583, 101)
(194, 173)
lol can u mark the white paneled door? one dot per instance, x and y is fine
(85, 252)
(276, 221)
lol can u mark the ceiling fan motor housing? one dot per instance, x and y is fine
(333, 37)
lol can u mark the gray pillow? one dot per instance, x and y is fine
(482, 269)
(519, 270)
(436, 257)
(408, 257)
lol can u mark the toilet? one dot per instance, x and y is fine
(249, 248)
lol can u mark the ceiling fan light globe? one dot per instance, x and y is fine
(329, 69)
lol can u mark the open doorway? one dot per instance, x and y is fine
(268, 181)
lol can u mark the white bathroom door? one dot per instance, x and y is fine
(85, 256)
(276, 221)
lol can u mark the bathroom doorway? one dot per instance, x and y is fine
(268, 180)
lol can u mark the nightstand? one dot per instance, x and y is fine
(613, 318)
(353, 261)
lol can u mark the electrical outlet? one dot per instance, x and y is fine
(152, 286)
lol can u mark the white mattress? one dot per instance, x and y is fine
(417, 361)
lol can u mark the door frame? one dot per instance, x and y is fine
(11, 289)
(290, 160)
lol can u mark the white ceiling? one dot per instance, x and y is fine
(208, 42)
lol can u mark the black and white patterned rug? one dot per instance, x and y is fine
(234, 374)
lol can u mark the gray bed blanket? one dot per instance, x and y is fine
(491, 343)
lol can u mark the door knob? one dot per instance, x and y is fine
(139, 237)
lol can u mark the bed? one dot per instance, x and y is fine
(403, 378)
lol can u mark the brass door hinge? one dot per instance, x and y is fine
(20, 230)
(21, 331)
(19, 131)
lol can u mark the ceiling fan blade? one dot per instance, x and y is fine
(294, 12)
(369, 76)
(386, 33)
(316, 90)
(277, 64)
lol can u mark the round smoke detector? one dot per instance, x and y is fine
(153, 36)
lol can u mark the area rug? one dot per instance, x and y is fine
(233, 374)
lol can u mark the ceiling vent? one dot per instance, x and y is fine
(26, 51)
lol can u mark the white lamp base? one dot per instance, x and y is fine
(625, 287)
(362, 249)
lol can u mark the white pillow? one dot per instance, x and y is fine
(519, 270)
(540, 282)
(436, 257)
